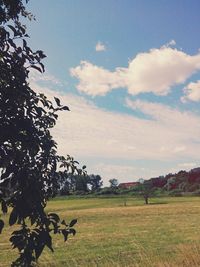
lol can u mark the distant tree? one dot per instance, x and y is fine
(158, 182)
(171, 183)
(30, 167)
(113, 183)
(65, 186)
(146, 190)
(95, 182)
(141, 180)
(81, 183)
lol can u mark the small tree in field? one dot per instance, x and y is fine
(146, 191)
(29, 165)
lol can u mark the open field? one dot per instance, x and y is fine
(164, 233)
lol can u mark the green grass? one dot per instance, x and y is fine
(111, 234)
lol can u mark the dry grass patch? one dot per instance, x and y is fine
(109, 234)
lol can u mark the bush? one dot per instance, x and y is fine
(176, 193)
(108, 191)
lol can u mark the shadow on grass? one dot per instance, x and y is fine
(157, 203)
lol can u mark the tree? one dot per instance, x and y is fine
(29, 164)
(113, 183)
(141, 180)
(95, 182)
(79, 184)
(146, 190)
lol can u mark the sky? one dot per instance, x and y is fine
(129, 70)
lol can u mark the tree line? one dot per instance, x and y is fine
(79, 184)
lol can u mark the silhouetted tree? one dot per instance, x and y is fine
(29, 165)
(113, 183)
(95, 182)
(81, 183)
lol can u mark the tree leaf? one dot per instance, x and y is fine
(24, 43)
(57, 101)
(72, 231)
(13, 29)
(54, 216)
(65, 234)
(42, 66)
(48, 242)
(4, 206)
(65, 108)
(64, 223)
(36, 67)
(1, 225)
(73, 222)
(13, 217)
(38, 250)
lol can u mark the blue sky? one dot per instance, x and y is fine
(129, 71)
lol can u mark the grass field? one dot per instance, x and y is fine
(164, 233)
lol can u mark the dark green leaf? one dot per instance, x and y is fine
(54, 216)
(65, 234)
(13, 29)
(1, 225)
(24, 43)
(38, 250)
(4, 206)
(65, 108)
(72, 231)
(48, 241)
(73, 222)
(64, 223)
(57, 101)
(42, 66)
(13, 217)
(36, 67)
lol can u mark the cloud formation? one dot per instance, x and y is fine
(35, 76)
(109, 142)
(100, 47)
(91, 132)
(188, 165)
(172, 128)
(96, 80)
(171, 43)
(156, 71)
(192, 92)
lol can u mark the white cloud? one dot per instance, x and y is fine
(192, 92)
(187, 165)
(171, 43)
(88, 131)
(164, 114)
(100, 47)
(155, 71)
(96, 80)
(36, 76)
(96, 136)
(176, 132)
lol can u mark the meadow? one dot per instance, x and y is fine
(164, 233)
